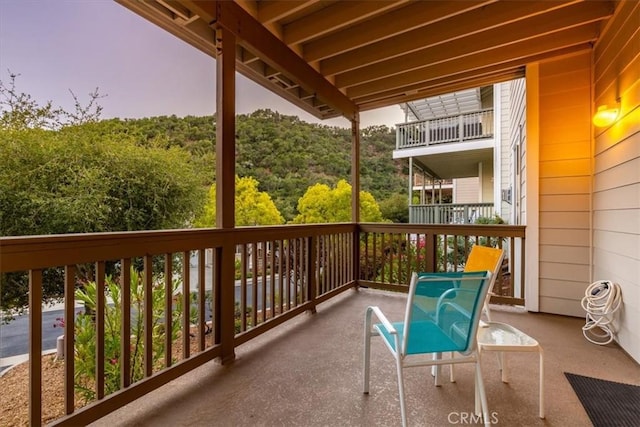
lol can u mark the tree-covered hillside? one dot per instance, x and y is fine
(286, 155)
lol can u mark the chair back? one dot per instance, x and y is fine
(485, 258)
(449, 321)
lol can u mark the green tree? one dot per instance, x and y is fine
(253, 207)
(395, 208)
(321, 204)
(19, 110)
(73, 181)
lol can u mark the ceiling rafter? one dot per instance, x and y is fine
(335, 58)
(334, 17)
(398, 21)
(477, 61)
(467, 77)
(470, 23)
(496, 37)
(269, 12)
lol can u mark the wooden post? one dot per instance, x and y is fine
(355, 193)
(35, 347)
(225, 185)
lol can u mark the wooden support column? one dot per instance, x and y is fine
(225, 186)
(35, 347)
(355, 192)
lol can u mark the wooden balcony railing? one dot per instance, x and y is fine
(390, 253)
(463, 127)
(449, 213)
(166, 302)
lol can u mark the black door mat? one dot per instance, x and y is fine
(607, 403)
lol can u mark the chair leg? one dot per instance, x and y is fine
(452, 373)
(541, 382)
(503, 367)
(480, 392)
(403, 409)
(367, 356)
(436, 370)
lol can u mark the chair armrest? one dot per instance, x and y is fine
(454, 305)
(383, 319)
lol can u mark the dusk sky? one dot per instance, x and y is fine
(63, 45)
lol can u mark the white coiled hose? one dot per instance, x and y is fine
(601, 300)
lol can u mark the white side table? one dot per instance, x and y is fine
(501, 337)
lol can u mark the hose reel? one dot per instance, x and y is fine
(601, 301)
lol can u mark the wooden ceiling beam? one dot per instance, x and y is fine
(472, 22)
(535, 46)
(334, 17)
(446, 82)
(409, 17)
(271, 11)
(176, 8)
(251, 34)
(504, 36)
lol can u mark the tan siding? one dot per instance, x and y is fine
(559, 151)
(619, 198)
(619, 220)
(565, 183)
(616, 199)
(564, 306)
(564, 272)
(564, 203)
(567, 237)
(621, 243)
(563, 168)
(566, 220)
(564, 254)
(625, 174)
(466, 190)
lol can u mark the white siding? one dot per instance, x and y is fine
(616, 194)
(506, 168)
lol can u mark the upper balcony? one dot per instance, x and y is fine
(445, 130)
(448, 147)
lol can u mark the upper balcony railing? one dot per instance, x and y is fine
(449, 213)
(459, 128)
(217, 289)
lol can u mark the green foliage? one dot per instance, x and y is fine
(321, 204)
(395, 208)
(19, 111)
(85, 333)
(252, 207)
(71, 181)
(496, 219)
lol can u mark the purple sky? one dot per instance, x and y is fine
(144, 71)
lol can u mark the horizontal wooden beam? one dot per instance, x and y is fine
(253, 36)
(536, 46)
(462, 80)
(398, 21)
(475, 21)
(335, 16)
(497, 37)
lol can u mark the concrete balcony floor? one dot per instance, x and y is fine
(308, 373)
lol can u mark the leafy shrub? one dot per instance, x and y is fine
(85, 333)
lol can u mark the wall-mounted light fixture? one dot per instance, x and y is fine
(605, 116)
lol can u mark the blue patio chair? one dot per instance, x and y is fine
(442, 315)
